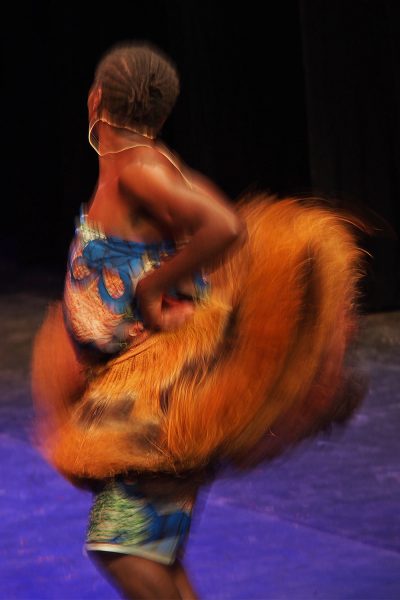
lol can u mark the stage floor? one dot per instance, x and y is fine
(322, 522)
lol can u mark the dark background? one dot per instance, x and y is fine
(292, 97)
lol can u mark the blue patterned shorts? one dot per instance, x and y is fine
(124, 520)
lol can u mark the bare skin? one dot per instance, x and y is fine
(142, 196)
(138, 578)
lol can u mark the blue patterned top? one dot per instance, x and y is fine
(102, 275)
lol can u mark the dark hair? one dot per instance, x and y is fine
(139, 83)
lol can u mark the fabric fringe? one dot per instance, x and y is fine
(260, 366)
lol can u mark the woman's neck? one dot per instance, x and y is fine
(107, 138)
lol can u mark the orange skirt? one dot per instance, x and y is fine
(261, 365)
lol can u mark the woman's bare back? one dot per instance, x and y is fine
(118, 211)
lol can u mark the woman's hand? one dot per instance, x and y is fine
(174, 313)
(150, 303)
(161, 312)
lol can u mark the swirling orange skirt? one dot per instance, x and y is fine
(260, 366)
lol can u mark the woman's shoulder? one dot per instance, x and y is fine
(155, 151)
(156, 155)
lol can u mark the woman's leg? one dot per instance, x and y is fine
(182, 582)
(138, 578)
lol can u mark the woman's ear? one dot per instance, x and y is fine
(94, 99)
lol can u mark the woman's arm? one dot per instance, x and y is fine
(210, 221)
